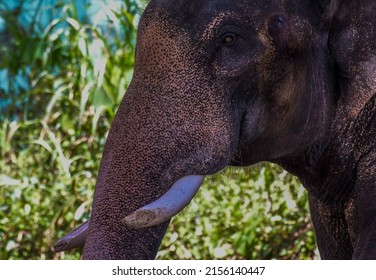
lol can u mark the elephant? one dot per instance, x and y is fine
(223, 83)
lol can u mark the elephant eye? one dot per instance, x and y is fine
(228, 39)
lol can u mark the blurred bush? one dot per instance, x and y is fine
(62, 82)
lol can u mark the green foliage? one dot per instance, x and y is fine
(52, 134)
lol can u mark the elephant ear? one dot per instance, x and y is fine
(353, 48)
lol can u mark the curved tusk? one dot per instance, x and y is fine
(167, 206)
(74, 239)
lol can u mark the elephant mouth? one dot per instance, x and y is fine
(163, 209)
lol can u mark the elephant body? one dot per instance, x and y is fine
(224, 82)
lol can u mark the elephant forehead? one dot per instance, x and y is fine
(162, 46)
(200, 18)
(167, 54)
(169, 65)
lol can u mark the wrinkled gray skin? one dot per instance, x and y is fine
(224, 82)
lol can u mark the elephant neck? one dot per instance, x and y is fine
(328, 168)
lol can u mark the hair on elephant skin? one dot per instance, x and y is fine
(224, 82)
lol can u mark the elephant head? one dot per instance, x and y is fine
(215, 83)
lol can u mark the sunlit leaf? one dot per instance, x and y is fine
(84, 98)
(74, 23)
(44, 144)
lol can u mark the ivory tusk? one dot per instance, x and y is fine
(167, 206)
(74, 239)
